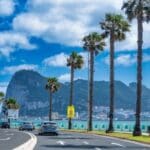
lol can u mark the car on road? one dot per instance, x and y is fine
(48, 128)
(5, 124)
(28, 126)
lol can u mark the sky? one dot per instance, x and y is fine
(40, 34)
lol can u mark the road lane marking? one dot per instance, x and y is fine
(85, 142)
(122, 140)
(28, 145)
(115, 138)
(6, 139)
(96, 148)
(60, 142)
(117, 144)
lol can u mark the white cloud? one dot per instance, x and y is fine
(13, 69)
(85, 58)
(64, 77)
(6, 7)
(11, 41)
(127, 59)
(34, 24)
(59, 60)
(63, 21)
(3, 87)
(67, 22)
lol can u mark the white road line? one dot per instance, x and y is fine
(96, 148)
(6, 139)
(122, 140)
(60, 142)
(85, 142)
(117, 144)
(29, 145)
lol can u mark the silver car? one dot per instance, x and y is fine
(28, 126)
(48, 128)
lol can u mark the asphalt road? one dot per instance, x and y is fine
(10, 138)
(76, 141)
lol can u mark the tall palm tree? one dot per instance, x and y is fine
(114, 27)
(140, 10)
(52, 85)
(93, 43)
(75, 61)
(12, 104)
(1, 95)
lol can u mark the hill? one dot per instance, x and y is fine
(28, 88)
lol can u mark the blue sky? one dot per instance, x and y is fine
(40, 35)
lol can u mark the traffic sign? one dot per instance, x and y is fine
(71, 111)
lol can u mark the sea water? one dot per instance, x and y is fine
(123, 126)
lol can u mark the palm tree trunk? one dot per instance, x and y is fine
(90, 100)
(50, 110)
(71, 95)
(111, 113)
(137, 128)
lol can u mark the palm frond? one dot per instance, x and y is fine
(116, 24)
(94, 42)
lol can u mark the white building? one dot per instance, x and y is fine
(13, 113)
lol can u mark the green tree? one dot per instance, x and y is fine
(139, 10)
(1, 95)
(75, 61)
(93, 43)
(114, 27)
(12, 104)
(52, 86)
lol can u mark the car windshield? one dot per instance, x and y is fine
(49, 123)
(27, 123)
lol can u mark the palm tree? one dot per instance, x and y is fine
(114, 27)
(12, 104)
(1, 96)
(75, 61)
(140, 10)
(93, 43)
(52, 85)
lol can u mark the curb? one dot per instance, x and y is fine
(29, 145)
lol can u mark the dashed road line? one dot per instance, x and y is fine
(97, 148)
(85, 142)
(60, 142)
(6, 139)
(117, 144)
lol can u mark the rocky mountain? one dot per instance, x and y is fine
(28, 88)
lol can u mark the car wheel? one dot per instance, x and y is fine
(56, 134)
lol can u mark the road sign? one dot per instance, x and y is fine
(71, 111)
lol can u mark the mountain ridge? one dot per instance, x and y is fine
(28, 88)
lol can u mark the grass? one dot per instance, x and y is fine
(142, 139)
